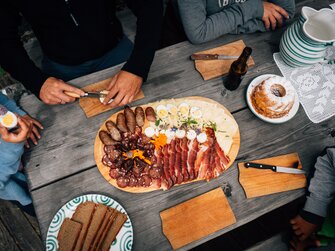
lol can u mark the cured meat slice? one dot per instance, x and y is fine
(184, 156)
(172, 160)
(192, 155)
(177, 164)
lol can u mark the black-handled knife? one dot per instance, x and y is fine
(279, 169)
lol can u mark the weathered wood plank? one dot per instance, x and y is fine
(19, 227)
(6, 240)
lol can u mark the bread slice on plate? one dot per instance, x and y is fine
(83, 215)
(97, 219)
(100, 231)
(68, 235)
(118, 222)
(105, 231)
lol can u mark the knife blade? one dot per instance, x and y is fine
(100, 94)
(212, 57)
(279, 169)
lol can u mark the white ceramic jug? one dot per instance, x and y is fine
(306, 40)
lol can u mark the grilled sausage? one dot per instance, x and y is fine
(121, 122)
(150, 114)
(106, 138)
(130, 119)
(114, 132)
(139, 114)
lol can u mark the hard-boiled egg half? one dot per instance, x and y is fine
(184, 109)
(196, 112)
(202, 137)
(172, 109)
(191, 134)
(161, 111)
(9, 120)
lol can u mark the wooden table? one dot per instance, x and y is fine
(62, 166)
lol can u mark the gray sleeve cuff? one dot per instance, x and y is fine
(316, 206)
(252, 9)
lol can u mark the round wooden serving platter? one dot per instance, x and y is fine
(99, 152)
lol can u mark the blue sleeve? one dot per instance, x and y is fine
(10, 105)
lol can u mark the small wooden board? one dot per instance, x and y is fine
(104, 170)
(214, 68)
(259, 182)
(197, 218)
(93, 106)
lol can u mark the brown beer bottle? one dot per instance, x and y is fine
(237, 70)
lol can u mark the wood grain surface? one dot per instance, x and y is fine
(259, 182)
(93, 106)
(104, 170)
(214, 68)
(197, 218)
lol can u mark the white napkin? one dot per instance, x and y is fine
(315, 86)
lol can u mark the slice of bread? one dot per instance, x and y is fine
(118, 222)
(102, 228)
(109, 224)
(97, 219)
(83, 215)
(68, 235)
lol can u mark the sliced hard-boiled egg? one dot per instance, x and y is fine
(161, 111)
(202, 137)
(170, 133)
(149, 131)
(180, 133)
(162, 132)
(191, 134)
(184, 109)
(172, 109)
(9, 120)
(195, 112)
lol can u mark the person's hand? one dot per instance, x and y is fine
(52, 92)
(35, 134)
(124, 86)
(301, 228)
(273, 15)
(298, 245)
(19, 135)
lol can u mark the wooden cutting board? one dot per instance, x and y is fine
(197, 218)
(258, 182)
(93, 106)
(99, 147)
(214, 68)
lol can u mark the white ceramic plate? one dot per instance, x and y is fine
(283, 119)
(124, 239)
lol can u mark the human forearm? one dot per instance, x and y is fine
(200, 28)
(149, 16)
(322, 185)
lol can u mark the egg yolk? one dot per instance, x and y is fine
(8, 120)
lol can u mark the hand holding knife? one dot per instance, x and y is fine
(280, 169)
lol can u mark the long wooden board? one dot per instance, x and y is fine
(214, 68)
(259, 182)
(197, 218)
(104, 170)
(93, 106)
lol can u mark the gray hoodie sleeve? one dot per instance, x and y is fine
(200, 28)
(322, 185)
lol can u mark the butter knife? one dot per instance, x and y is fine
(278, 169)
(212, 57)
(100, 94)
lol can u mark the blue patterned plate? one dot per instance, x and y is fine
(124, 239)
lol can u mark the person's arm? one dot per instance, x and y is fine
(10, 105)
(13, 57)
(149, 15)
(321, 188)
(288, 5)
(127, 83)
(200, 28)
